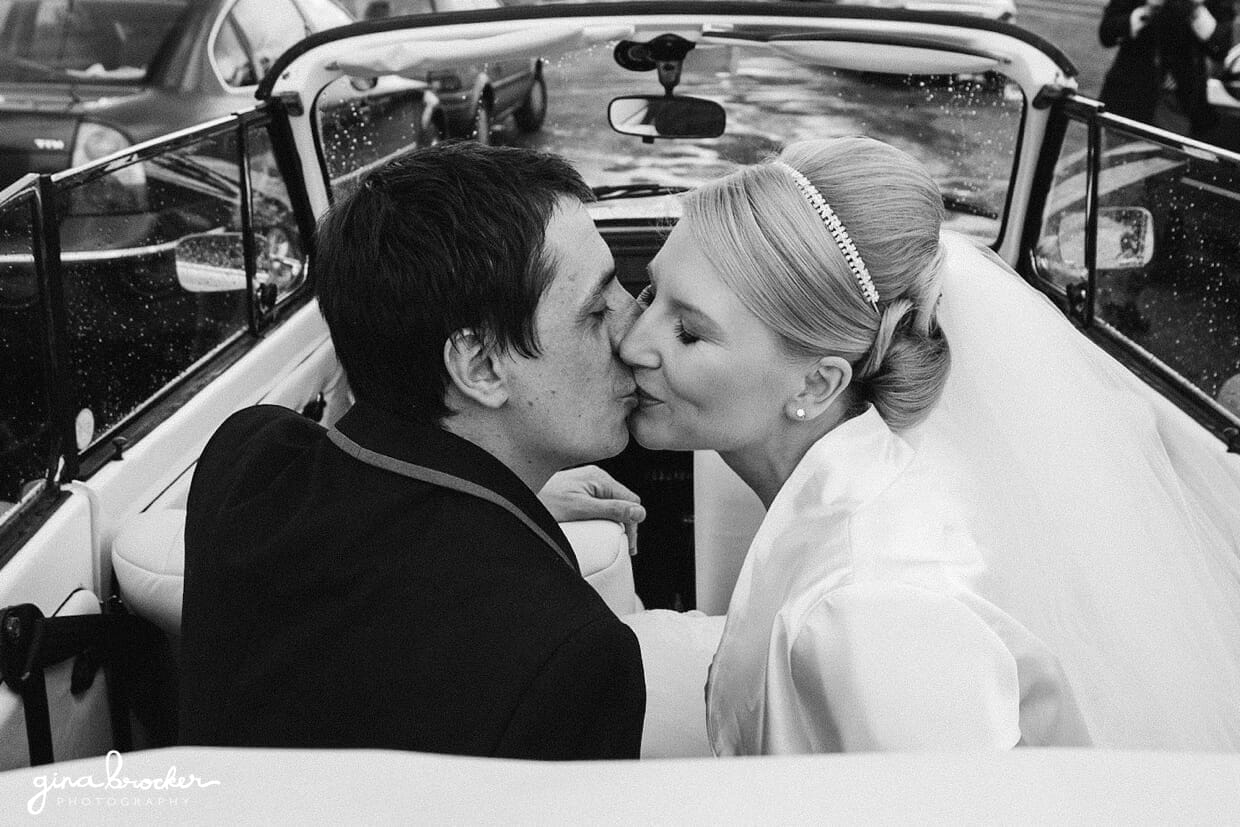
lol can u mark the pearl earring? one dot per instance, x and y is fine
(800, 413)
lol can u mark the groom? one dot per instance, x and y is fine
(393, 581)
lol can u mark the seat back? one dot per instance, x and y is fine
(148, 556)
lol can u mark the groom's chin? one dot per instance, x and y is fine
(649, 438)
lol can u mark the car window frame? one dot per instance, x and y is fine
(1067, 107)
(35, 506)
(70, 462)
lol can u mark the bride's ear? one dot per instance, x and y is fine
(474, 369)
(824, 383)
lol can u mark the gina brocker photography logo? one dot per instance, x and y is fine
(115, 788)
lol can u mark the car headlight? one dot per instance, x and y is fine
(95, 141)
(118, 192)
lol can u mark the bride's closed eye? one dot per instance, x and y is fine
(686, 337)
(646, 296)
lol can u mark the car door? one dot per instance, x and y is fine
(143, 298)
(1135, 234)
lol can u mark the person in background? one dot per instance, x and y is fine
(1161, 39)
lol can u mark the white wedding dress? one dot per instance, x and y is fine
(1053, 558)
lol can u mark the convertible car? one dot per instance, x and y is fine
(1128, 229)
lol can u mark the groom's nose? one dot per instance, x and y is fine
(636, 349)
(623, 318)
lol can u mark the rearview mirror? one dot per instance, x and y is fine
(662, 116)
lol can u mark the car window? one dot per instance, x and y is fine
(267, 28)
(1168, 253)
(135, 323)
(231, 57)
(25, 434)
(281, 254)
(103, 40)
(964, 127)
(324, 14)
(361, 125)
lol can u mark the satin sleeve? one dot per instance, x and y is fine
(889, 666)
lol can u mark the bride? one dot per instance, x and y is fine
(979, 533)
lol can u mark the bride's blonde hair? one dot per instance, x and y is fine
(775, 252)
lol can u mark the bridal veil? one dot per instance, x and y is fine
(1111, 521)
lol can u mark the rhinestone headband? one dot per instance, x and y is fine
(836, 228)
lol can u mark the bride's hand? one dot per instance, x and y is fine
(590, 493)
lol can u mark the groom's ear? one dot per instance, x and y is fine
(475, 369)
(825, 382)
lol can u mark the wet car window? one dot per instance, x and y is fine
(361, 125)
(1061, 247)
(98, 40)
(268, 28)
(1168, 253)
(24, 432)
(964, 127)
(281, 262)
(133, 327)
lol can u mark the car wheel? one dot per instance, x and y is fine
(482, 124)
(533, 110)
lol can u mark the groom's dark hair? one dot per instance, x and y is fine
(439, 240)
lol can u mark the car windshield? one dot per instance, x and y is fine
(104, 40)
(963, 126)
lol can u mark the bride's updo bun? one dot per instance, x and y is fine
(771, 246)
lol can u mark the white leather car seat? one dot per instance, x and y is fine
(148, 556)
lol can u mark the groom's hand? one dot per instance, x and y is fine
(590, 493)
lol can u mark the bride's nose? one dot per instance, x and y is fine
(637, 347)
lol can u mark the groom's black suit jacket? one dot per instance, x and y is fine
(330, 602)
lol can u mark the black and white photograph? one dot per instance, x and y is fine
(619, 412)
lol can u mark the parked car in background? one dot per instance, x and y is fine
(80, 80)
(476, 97)
(85, 79)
